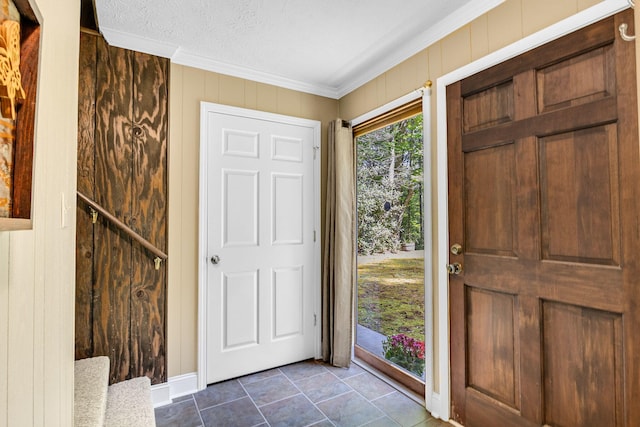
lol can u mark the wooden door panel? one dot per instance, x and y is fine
(577, 80)
(540, 194)
(583, 116)
(488, 108)
(571, 45)
(588, 392)
(483, 413)
(579, 196)
(578, 284)
(490, 200)
(492, 335)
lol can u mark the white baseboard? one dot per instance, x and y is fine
(181, 385)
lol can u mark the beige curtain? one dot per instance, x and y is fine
(338, 279)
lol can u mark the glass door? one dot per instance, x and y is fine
(390, 332)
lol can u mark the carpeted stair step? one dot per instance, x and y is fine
(96, 404)
(90, 396)
(129, 404)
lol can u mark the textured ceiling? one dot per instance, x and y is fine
(327, 47)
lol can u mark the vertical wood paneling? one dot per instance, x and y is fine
(22, 342)
(193, 84)
(4, 327)
(114, 109)
(149, 215)
(174, 219)
(37, 266)
(85, 180)
(122, 165)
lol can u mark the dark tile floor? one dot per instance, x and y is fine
(308, 393)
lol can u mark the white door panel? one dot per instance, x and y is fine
(259, 216)
(287, 216)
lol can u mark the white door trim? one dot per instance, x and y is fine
(206, 107)
(441, 401)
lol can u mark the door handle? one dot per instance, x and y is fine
(456, 249)
(455, 268)
(215, 260)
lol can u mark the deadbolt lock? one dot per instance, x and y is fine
(455, 268)
(456, 249)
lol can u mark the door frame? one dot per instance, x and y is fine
(208, 107)
(440, 403)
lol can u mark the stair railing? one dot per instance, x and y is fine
(96, 209)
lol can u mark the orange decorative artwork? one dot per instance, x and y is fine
(10, 80)
(6, 165)
(9, 52)
(11, 91)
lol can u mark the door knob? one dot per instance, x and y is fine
(215, 259)
(455, 268)
(456, 249)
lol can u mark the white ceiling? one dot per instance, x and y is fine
(325, 47)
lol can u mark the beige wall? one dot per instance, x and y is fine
(507, 23)
(37, 267)
(188, 87)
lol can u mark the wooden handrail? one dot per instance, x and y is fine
(124, 227)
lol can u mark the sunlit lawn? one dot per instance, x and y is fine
(391, 296)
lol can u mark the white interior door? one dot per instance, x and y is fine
(261, 240)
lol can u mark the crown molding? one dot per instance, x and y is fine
(353, 79)
(461, 17)
(139, 44)
(190, 59)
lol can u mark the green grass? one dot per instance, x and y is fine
(391, 296)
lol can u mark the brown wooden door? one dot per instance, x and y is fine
(544, 174)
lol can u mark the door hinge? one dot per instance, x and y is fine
(314, 235)
(315, 319)
(315, 152)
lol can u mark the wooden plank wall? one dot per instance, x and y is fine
(122, 165)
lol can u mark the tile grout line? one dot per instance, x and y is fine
(385, 414)
(311, 401)
(337, 395)
(226, 401)
(279, 400)
(254, 402)
(195, 402)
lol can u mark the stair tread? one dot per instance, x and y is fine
(129, 404)
(91, 381)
